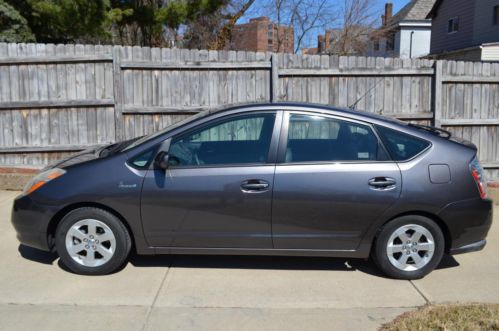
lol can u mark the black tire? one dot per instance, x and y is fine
(123, 242)
(380, 255)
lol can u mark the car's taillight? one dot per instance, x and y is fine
(479, 177)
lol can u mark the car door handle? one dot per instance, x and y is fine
(254, 185)
(382, 183)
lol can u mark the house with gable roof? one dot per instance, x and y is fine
(407, 34)
(466, 30)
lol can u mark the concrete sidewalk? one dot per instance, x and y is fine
(225, 292)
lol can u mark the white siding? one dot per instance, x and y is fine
(421, 39)
(396, 52)
(490, 53)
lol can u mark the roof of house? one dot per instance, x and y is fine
(415, 10)
(362, 30)
(434, 9)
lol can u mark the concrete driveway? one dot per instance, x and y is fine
(229, 293)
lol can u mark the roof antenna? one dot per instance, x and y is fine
(353, 106)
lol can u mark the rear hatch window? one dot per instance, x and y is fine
(401, 146)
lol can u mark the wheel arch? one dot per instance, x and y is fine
(56, 219)
(441, 224)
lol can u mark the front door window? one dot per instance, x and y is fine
(240, 140)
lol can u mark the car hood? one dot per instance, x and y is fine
(81, 157)
(95, 152)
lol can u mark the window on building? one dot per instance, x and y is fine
(322, 46)
(496, 15)
(376, 45)
(270, 34)
(453, 25)
(270, 41)
(390, 43)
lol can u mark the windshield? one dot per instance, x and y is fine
(166, 129)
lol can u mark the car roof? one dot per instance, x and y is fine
(365, 116)
(206, 115)
(309, 106)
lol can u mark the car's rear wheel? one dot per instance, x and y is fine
(92, 241)
(409, 247)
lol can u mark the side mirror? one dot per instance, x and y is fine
(162, 160)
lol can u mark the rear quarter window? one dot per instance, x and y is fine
(401, 146)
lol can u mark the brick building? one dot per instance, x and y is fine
(329, 42)
(324, 44)
(262, 35)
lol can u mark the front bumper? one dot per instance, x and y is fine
(31, 221)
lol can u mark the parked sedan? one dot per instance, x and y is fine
(269, 179)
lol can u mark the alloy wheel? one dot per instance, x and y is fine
(90, 243)
(410, 247)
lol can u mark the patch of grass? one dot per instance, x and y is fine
(448, 317)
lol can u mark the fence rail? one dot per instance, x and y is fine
(56, 104)
(55, 59)
(354, 73)
(56, 99)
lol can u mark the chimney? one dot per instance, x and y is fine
(328, 39)
(388, 13)
(320, 43)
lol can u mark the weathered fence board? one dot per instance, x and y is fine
(470, 106)
(57, 103)
(55, 99)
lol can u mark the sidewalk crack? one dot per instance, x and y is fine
(420, 292)
(150, 308)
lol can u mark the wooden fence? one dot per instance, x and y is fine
(57, 99)
(467, 104)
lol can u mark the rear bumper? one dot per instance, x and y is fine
(31, 221)
(474, 247)
(468, 222)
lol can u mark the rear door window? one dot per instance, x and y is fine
(324, 139)
(401, 146)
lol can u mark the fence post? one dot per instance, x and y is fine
(437, 93)
(118, 94)
(274, 78)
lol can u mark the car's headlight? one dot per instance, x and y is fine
(41, 179)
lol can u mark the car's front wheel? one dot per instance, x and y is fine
(92, 241)
(409, 247)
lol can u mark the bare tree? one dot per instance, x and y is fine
(359, 18)
(304, 16)
(224, 34)
(214, 31)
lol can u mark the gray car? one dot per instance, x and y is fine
(266, 179)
